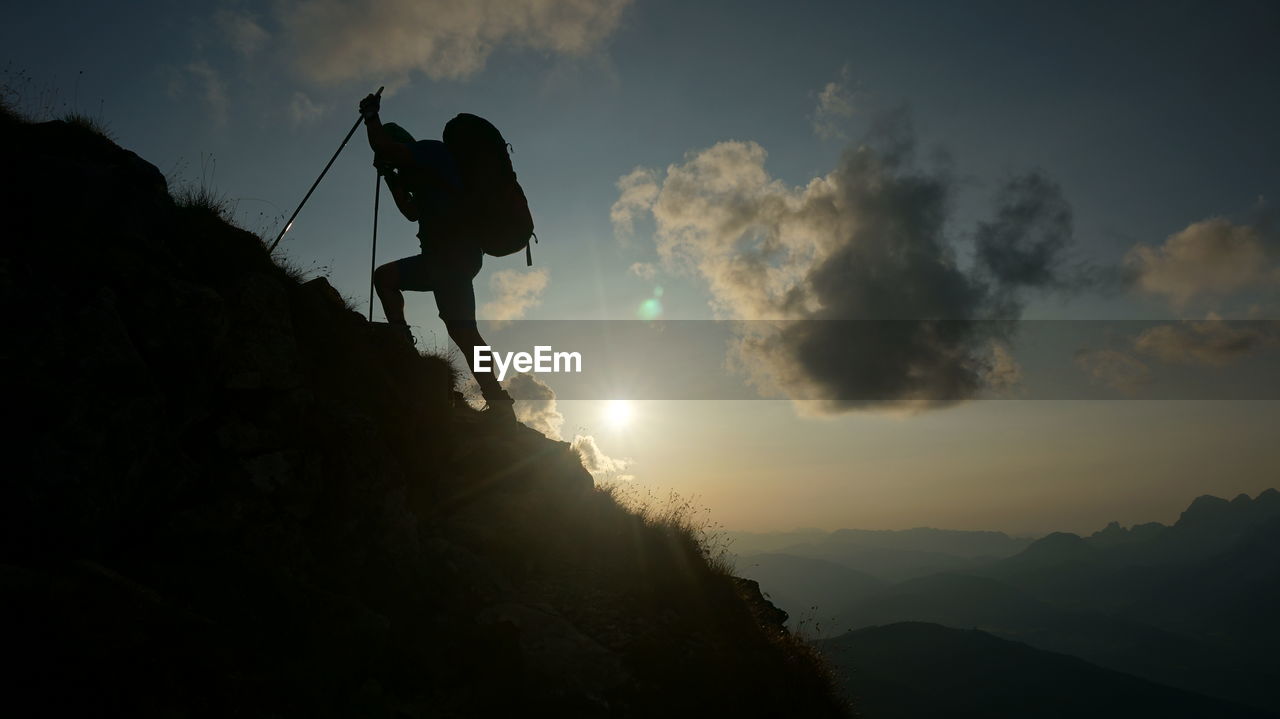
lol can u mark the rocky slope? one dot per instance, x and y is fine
(228, 496)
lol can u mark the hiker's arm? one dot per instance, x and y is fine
(395, 153)
(404, 202)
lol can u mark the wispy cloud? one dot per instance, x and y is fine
(515, 292)
(213, 90)
(1210, 342)
(1119, 370)
(637, 191)
(1004, 374)
(643, 270)
(835, 108)
(335, 41)
(303, 110)
(242, 32)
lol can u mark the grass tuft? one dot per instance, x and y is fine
(93, 124)
(201, 195)
(678, 516)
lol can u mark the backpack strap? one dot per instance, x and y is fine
(528, 250)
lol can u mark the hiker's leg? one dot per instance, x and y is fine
(386, 280)
(456, 299)
(392, 280)
(467, 337)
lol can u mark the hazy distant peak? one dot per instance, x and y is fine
(1059, 539)
(1055, 548)
(1115, 534)
(1242, 510)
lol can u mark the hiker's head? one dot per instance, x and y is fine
(397, 134)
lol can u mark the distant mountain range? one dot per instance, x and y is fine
(1190, 605)
(887, 554)
(915, 670)
(801, 585)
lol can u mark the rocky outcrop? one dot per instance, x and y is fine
(228, 495)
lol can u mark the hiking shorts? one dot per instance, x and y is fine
(450, 282)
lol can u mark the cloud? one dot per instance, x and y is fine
(303, 110)
(1004, 374)
(861, 299)
(835, 107)
(214, 90)
(535, 404)
(597, 462)
(515, 292)
(1112, 368)
(1024, 245)
(637, 191)
(1212, 342)
(1210, 258)
(337, 41)
(535, 407)
(242, 32)
(643, 270)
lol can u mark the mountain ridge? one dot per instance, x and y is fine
(231, 495)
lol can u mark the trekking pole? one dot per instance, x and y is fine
(289, 224)
(373, 258)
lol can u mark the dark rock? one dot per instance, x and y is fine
(564, 665)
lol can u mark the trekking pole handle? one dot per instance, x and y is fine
(378, 95)
(315, 184)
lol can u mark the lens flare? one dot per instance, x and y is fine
(650, 309)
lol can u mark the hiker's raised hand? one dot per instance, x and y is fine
(369, 106)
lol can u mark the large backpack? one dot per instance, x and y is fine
(493, 211)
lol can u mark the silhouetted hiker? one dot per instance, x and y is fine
(426, 183)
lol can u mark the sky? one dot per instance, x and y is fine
(1001, 165)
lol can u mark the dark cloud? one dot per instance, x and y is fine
(856, 270)
(1026, 242)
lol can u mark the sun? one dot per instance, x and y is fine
(617, 412)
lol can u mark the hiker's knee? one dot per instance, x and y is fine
(463, 333)
(387, 277)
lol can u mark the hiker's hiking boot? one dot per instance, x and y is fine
(500, 410)
(401, 332)
(405, 334)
